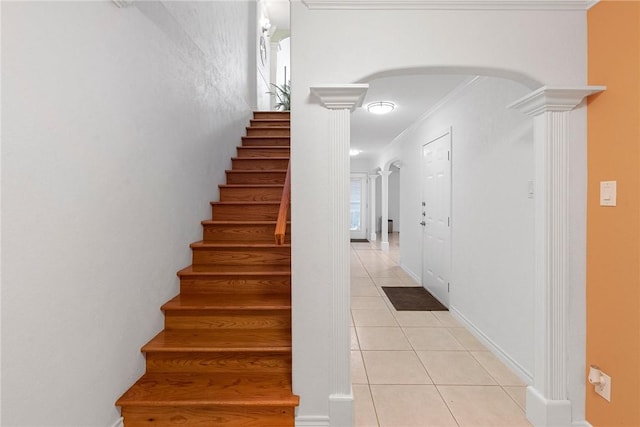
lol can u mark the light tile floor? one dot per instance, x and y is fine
(420, 368)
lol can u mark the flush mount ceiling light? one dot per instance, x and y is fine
(354, 152)
(381, 107)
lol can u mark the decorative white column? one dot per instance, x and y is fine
(384, 202)
(547, 400)
(372, 208)
(340, 100)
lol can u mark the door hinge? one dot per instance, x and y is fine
(448, 155)
(448, 221)
(448, 286)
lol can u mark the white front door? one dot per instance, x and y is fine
(358, 206)
(436, 216)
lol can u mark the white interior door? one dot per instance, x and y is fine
(436, 217)
(358, 206)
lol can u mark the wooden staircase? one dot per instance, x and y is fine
(224, 356)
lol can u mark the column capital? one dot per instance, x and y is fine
(385, 173)
(373, 176)
(553, 99)
(340, 96)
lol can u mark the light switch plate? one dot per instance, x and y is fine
(608, 193)
(605, 390)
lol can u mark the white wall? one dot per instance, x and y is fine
(492, 216)
(117, 126)
(504, 43)
(394, 197)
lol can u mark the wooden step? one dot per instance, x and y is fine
(212, 362)
(245, 211)
(216, 399)
(263, 151)
(257, 163)
(262, 122)
(215, 312)
(251, 192)
(236, 231)
(193, 281)
(192, 389)
(268, 141)
(256, 177)
(272, 115)
(259, 254)
(204, 416)
(222, 340)
(269, 131)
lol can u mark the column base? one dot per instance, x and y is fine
(384, 246)
(542, 412)
(372, 237)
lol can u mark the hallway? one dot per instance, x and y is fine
(420, 368)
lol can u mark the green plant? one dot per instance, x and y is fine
(283, 95)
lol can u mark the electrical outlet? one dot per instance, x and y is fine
(604, 390)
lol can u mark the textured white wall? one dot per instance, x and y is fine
(533, 47)
(492, 216)
(117, 126)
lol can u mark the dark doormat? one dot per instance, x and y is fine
(359, 241)
(412, 298)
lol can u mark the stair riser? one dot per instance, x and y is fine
(267, 285)
(268, 131)
(228, 319)
(282, 141)
(271, 122)
(230, 362)
(242, 256)
(259, 164)
(206, 416)
(250, 152)
(245, 212)
(280, 115)
(242, 233)
(251, 194)
(257, 177)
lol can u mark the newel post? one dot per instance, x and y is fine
(340, 100)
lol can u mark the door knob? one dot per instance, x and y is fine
(423, 223)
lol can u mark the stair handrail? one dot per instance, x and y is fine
(281, 224)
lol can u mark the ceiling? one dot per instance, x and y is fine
(413, 96)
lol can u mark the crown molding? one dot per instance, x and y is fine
(339, 97)
(122, 3)
(451, 4)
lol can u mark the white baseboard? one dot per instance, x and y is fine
(341, 410)
(407, 270)
(581, 424)
(524, 375)
(313, 421)
(340, 413)
(118, 423)
(542, 412)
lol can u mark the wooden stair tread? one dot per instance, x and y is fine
(204, 340)
(195, 389)
(240, 222)
(251, 185)
(263, 147)
(235, 302)
(233, 271)
(248, 202)
(256, 171)
(261, 158)
(204, 245)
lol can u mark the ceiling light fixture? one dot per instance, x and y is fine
(354, 152)
(381, 107)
